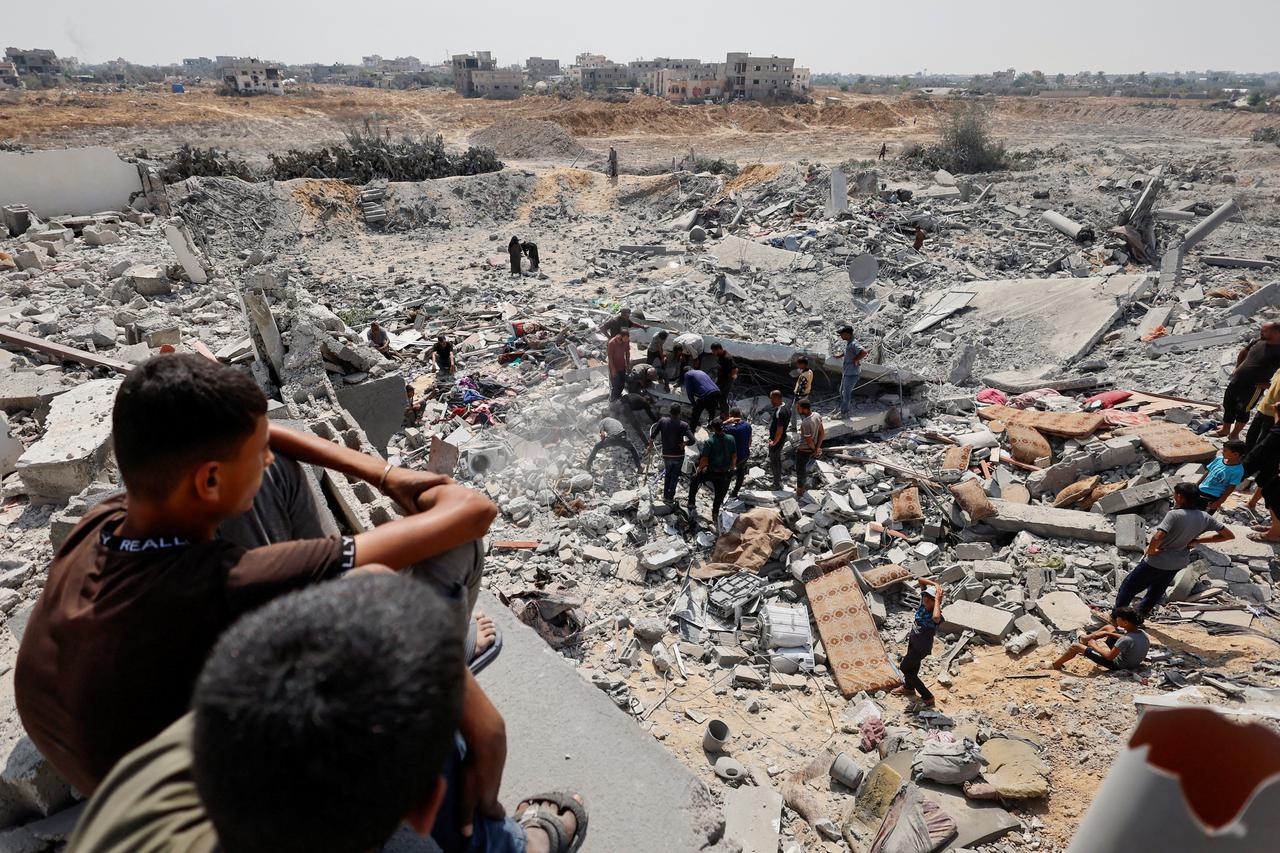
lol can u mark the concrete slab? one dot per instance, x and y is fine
(753, 818)
(1064, 611)
(377, 405)
(556, 722)
(987, 622)
(30, 391)
(1256, 301)
(75, 445)
(1126, 500)
(1067, 315)
(735, 253)
(67, 180)
(1047, 521)
(11, 449)
(1242, 548)
(1195, 340)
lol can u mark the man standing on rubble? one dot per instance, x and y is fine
(812, 434)
(884, 149)
(613, 163)
(619, 357)
(716, 463)
(851, 370)
(704, 394)
(675, 436)
(1170, 549)
(779, 423)
(620, 321)
(1255, 365)
(737, 428)
(727, 368)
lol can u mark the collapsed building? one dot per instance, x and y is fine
(976, 454)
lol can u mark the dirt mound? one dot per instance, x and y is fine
(527, 139)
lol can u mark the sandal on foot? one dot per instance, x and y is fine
(552, 824)
(477, 662)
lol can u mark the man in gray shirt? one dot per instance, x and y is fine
(1126, 643)
(613, 434)
(1170, 549)
(850, 370)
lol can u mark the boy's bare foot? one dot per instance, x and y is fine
(486, 633)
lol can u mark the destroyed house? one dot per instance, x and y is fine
(37, 63)
(465, 66)
(757, 77)
(252, 77)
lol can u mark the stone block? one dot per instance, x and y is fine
(987, 622)
(1015, 768)
(377, 405)
(1064, 611)
(75, 446)
(992, 570)
(1052, 523)
(1131, 532)
(974, 551)
(157, 330)
(10, 448)
(99, 235)
(27, 390)
(659, 555)
(1117, 452)
(151, 280)
(29, 786)
(1130, 499)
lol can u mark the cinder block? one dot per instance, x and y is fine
(75, 446)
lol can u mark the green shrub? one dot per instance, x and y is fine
(966, 146)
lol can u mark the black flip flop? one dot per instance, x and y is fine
(551, 823)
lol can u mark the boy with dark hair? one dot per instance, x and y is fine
(1170, 549)
(737, 428)
(675, 436)
(315, 728)
(779, 424)
(703, 394)
(809, 445)
(146, 582)
(715, 465)
(726, 371)
(804, 379)
(924, 628)
(851, 368)
(613, 434)
(1126, 644)
(1223, 474)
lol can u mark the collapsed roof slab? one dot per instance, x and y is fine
(735, 253)
(77, 181)
(1066, 315)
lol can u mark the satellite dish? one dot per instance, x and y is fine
(863, 270)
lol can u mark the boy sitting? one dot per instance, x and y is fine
(1223, 475)
(1126, 644)
(143, 587)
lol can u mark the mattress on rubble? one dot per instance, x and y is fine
(855, 654)
(1063, 424)
(1170, 443)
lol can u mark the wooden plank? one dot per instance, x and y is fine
(514, 544)
(62, 353)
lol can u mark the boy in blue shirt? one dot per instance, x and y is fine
(1223, 475)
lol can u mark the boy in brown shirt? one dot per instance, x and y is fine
(143, 586)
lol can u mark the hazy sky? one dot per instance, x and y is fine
(889, 36)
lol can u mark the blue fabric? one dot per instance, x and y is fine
(487, 835)
(851, 351)
(1221, 476)
(1145, 577)
(741, 432)
(699, 384)
(848, 382)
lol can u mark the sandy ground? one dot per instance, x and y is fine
(645, 131)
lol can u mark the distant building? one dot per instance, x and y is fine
(371, 61)
(542, 69)
(590, 60)
(695, 83)
(9, 75)
(35, 63)
(250, 77)
(504, 84)
(801, 81)
(465, 65)
(599, 78)
(759, 77)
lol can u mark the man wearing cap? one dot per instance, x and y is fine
(851, 370)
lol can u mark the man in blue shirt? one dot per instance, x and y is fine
(851, 370)
(740, 431)
(704, 394)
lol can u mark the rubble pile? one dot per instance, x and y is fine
(982, 453)
(528, 139)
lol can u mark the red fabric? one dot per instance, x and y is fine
(1107, 399)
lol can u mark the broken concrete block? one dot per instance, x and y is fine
(10, 448)
(377, 405)
(99, 235)
(29, 785)
(603, 555)
(987, 622)
(1064, 611)
(1050, 522)
(75, 446)
(1130, 499)
(31, 257)
(1015, 768)
(103, 333)
(753, 818)
(1131, 532)
(974, 551)
(660, 555)
(992, 570)
(148, 279)
(184, 246)
(157, 330)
